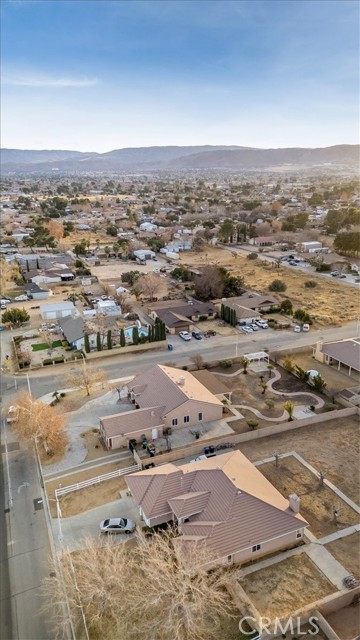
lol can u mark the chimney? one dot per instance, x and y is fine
(181, 381)
(294, 503)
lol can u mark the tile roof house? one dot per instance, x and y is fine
(224, 502)
(165, 398)
(342, 353)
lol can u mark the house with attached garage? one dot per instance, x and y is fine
(180, 315)
(165, 399)
(223, 502)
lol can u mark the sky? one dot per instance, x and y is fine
(97, 75)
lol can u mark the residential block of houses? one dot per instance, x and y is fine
(224, 502)
(179, 315)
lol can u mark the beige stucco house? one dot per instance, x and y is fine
(342, 354)
(224, 502)
(165, 398)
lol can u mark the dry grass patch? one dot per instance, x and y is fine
(316, 502)
(331, 303)
(284, 587)
(93, 496)
(332, 446)
(347, 552)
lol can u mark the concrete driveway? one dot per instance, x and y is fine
(86, 525)
(87, 417)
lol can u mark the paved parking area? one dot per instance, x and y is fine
(86, 525)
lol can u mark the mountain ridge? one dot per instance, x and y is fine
(175, 157)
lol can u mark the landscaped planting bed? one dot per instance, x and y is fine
(42, 346)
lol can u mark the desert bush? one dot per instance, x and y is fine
(310, 284)
(252, 424)
(225, 364)
(277, 285)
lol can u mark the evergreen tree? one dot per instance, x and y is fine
(98, 341)
(157, 334)
(109, 339)
(122, 338)
(86, 343)
(135, 335)
(222, 311)
(163, 333)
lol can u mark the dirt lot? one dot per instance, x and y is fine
(85, 499)
(330, 303)
(316, 502)
(332, 447)
(286, 586)
(346, 551)
(346, 622)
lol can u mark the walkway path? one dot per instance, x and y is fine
(261, 415)
(277, 375)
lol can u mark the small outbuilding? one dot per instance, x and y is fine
(57, 310)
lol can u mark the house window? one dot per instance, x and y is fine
(174, 422)
(200, 416)
(186, 419)
(299, 533)
(255, 548)
(229, 559)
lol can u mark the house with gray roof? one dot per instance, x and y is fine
(223, 502)
(180, 315)
(342, 354)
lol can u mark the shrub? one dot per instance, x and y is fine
(252, 424)
(329, 406)
(252, 256)
(58, 359)
(225, 364)
(277, 285)
(310, 284)
(47, 361)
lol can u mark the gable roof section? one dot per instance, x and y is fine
(160, 386)
(189, 503)
(72, 328)
(127, 422)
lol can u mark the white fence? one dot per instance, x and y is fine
(88, 483)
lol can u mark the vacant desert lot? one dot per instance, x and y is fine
(347, 552)
(316, 502)
(284, 587)
(329, 303)
(331, 447)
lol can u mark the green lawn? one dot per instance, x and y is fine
(42, 346)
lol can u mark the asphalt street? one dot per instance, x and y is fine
(25, 547)
(218, 347)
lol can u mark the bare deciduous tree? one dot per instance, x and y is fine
(86, 377)
(197, 360)
(150, 590)
(124, 302)
(149, 285)
(209, 284)
(41, 423)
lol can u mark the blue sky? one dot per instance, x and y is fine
(100, 75)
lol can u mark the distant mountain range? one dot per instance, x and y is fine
(173, 158)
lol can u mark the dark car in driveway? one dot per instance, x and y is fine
(197, 335)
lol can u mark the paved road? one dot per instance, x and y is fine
(25, 547)
(218, 347)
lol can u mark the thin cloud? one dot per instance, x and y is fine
(47, 82)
